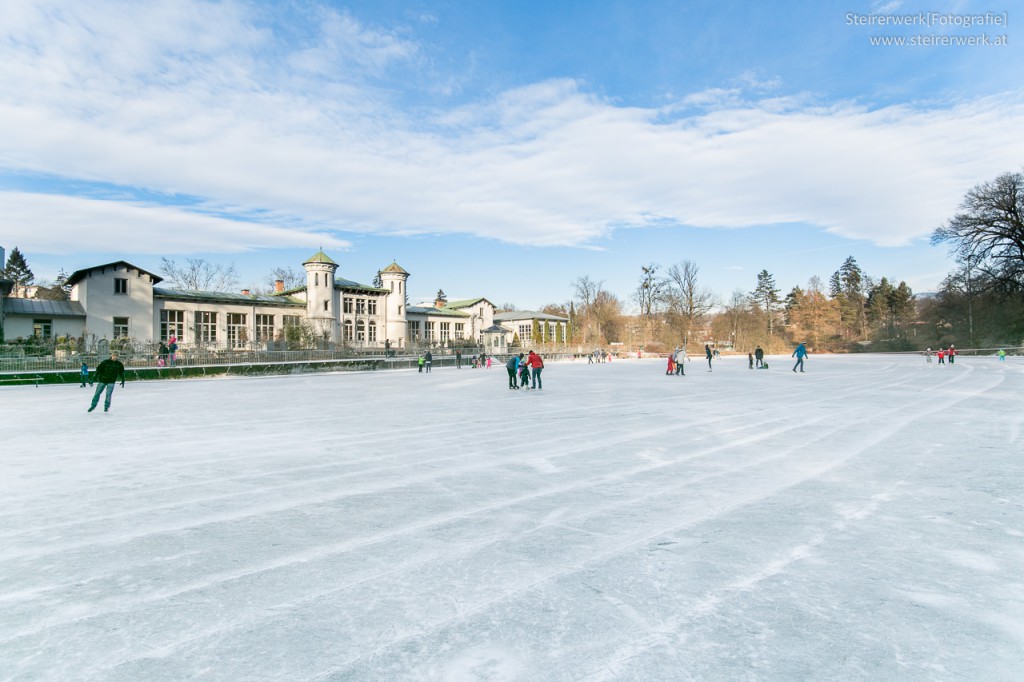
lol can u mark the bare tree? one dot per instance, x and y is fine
(988, 232)
(198, 274)
(587, 293)
(291, 277)
(687, 298)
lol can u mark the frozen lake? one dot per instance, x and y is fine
(862, 521)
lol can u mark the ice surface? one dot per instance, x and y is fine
(863, 521)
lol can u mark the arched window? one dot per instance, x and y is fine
(360, 331)
(348, 330)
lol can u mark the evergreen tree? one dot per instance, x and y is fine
(847, 285)
(17, 271)
(766, 297)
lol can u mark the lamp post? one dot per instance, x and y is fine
(970, 301)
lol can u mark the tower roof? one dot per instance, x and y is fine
(395, 267)
(319, 257)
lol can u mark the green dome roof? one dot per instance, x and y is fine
(320, 257)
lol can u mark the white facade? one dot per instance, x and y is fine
(121, 300)
(522, 324)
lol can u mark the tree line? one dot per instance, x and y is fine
(980, 304)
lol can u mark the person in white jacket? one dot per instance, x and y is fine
(679, 358)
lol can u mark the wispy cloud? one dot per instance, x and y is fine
(302, 127)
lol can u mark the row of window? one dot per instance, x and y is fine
(548, 332)
(429, 331)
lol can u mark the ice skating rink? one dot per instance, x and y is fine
(862, 521)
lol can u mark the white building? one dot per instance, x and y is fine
(533, 328)
(119, 299)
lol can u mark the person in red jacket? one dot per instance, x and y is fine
(534, 362)
(951, 353)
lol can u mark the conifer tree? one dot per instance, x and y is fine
(766, 297)
(18, 271)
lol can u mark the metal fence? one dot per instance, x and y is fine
(14, 361)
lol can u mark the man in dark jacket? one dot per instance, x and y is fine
(107, 374)
(758, 357)
(513, 370)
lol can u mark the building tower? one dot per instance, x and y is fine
(321, 301)
(394, 278)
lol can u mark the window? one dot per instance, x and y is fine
(172, 323)
(348, 330)
(460, 330)
(290, 320)
(371, 332)
(360, 306)
(347, 306)
(42, 329)
(326, 309)
(371, 306)
(360, 331)
(120, 327)
(206, 327)
(238, 333)
(120, 285)
(264, 327)
(428, 331)
(525, 333)
(414, 331)
(445, 331)
(399, 310)
(316, 279)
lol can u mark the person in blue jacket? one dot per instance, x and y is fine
(85, 374)
(513, 370)
(800, 353)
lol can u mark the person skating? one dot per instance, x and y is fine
(419, 363)
(172, 350)
(107, 374)
(524, 373)
(928, 355)
(758, 357)
(428, 360)
(681, 359)
(951, 353)
(513, 370)
(458, 359)
(800, 353)
(1002, 355)
(942, 356)
(707, 352)
(85, 374)
(536, 365)
(671, 365)
(750, 360)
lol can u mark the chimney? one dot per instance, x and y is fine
(278, 285)
(245, 292)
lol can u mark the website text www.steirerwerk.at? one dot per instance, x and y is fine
(948, 29)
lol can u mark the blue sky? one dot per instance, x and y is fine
(501, 149)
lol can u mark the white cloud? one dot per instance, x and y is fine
(57, 224)
(210, 100)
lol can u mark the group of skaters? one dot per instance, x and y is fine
(598, 356)
(678, 358)
(944, 353)
(480, 360)
(523, 370)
